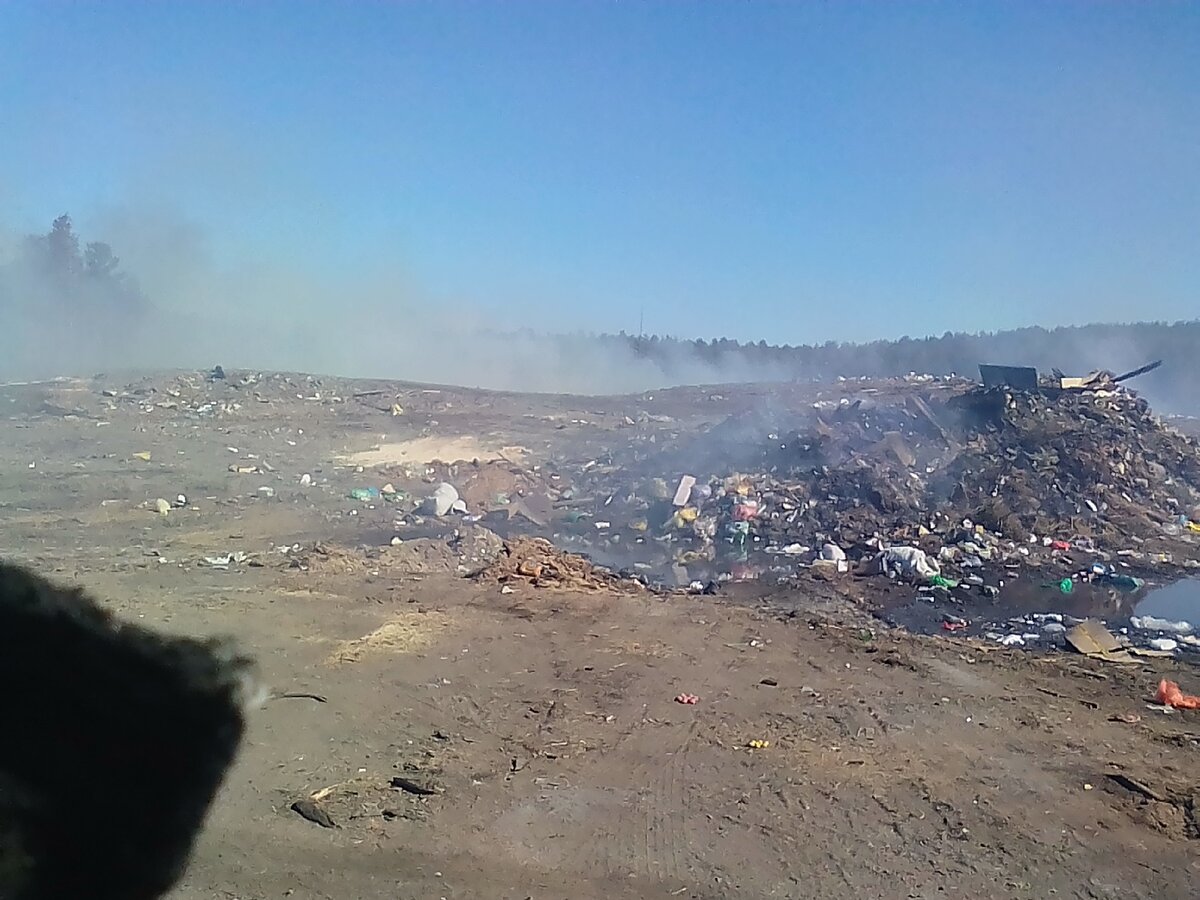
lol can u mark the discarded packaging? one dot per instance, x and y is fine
(443, 500)
(1092, 639)
(1153, 623)
(683, 493)
(833, 553)
(909, 562)
(1169, 694)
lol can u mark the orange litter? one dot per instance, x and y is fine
(1169, 694)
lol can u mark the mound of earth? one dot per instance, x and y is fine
(470, 549)
(538, 562)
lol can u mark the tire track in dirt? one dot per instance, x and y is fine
(666, 809)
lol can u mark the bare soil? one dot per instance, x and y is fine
(538, 726)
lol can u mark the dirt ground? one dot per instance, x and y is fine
(539, 728)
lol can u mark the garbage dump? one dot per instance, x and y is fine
(972, 477)
(1035, 495)
(961, 492)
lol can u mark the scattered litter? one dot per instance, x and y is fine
(1153, 623)
(684, 492)
(1093, 640)
(687, 699)
(1169, 694)
(443, 500)
(910, 562)
(833, 553)
(1126, 718)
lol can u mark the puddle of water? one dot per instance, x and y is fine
(1033, 593)
(1178, 602)
(1022, 596)
(1020, 609)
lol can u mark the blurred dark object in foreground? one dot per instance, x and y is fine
(115, 742)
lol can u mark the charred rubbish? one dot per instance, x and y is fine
(952, 492)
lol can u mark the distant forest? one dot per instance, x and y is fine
(55, 270)
(1076, 350)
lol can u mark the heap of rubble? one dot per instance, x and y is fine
(537, 562)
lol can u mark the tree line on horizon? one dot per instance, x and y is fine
(1075, 350)
(1079, 348)
(56, 269)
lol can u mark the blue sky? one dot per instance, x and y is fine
(797, 172)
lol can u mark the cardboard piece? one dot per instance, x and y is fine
(683, 493)
(1093, 640)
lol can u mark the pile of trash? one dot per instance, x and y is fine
(973, 476)
(1096, 464)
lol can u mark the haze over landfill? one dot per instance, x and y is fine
(620, 450)
(301, 189)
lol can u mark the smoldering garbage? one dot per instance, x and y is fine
(948, 486)
(1061, 488)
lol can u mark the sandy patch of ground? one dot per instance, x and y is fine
(405, 633)
(432, 449)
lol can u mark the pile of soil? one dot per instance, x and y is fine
(469, 550)
(538, 562)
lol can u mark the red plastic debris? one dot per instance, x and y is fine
(687, 699)
(745, 511)
(953, 626)
(1169, 694)
(1060, 545)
